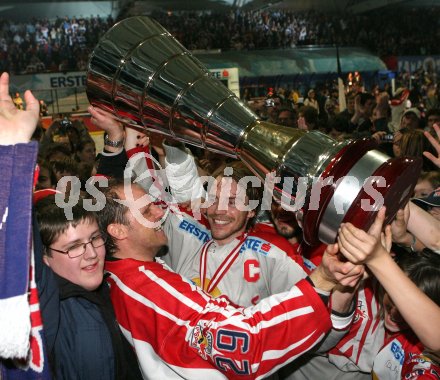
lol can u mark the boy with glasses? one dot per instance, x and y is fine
(83, 340)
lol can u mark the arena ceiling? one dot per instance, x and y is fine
(176, 5)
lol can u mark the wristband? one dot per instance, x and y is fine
(112, 143)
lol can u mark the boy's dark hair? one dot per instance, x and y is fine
(53, 222)
(56, 148)
(424, 270)
(46, 165)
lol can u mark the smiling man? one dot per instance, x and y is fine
(223, 253)
(176, 329)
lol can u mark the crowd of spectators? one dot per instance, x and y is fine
(62, 44)
(65, 43)
(389, 31)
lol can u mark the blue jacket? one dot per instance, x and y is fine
(81, 331)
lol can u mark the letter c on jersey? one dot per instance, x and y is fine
(251, 270)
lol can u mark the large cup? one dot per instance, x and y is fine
(145, 77)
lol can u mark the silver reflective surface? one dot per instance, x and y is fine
(347, 189)
(145, 77)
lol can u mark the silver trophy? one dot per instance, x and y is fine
(145, 77)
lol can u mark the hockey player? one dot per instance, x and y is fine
(177, 330)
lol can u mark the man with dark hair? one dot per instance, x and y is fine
(361, 124)
(287, 117)
(177, 329)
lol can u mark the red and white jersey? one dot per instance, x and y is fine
(179, 331)
(353, 354)
(357, 350)
(364, 339)
(246, 270)
(402, 358)
(141, 167)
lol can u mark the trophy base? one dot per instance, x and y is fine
(355, 192)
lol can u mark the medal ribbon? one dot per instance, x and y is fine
(222, 269)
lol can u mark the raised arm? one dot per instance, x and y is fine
(424, 227)
(435, 143)
(17, 126)
(113, 159)
(415, 307)
(18, 158)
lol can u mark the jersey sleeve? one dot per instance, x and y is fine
(285, 273)
(189, 330)
(151, 178)
(182, 175)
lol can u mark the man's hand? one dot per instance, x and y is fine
(333, 271)
(360, 247)
(16, 126)
(434, 142)
(343, 272)
(107, 122)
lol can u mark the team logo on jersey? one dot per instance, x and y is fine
(195, 230)
(214, 292)
(398, 352)
(251, 270)
(201, 340)
(361, 312)
(257, 245)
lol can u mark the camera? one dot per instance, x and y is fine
(270, 102)
(387, 138)
(65, 123)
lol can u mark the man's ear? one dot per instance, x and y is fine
(117, 231)
(250, 214)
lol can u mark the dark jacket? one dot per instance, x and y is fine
(83, 339)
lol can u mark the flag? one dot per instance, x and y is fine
(22, 353)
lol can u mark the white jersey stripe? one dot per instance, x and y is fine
(146, 302)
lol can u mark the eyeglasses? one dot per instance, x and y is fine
(79, 249)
